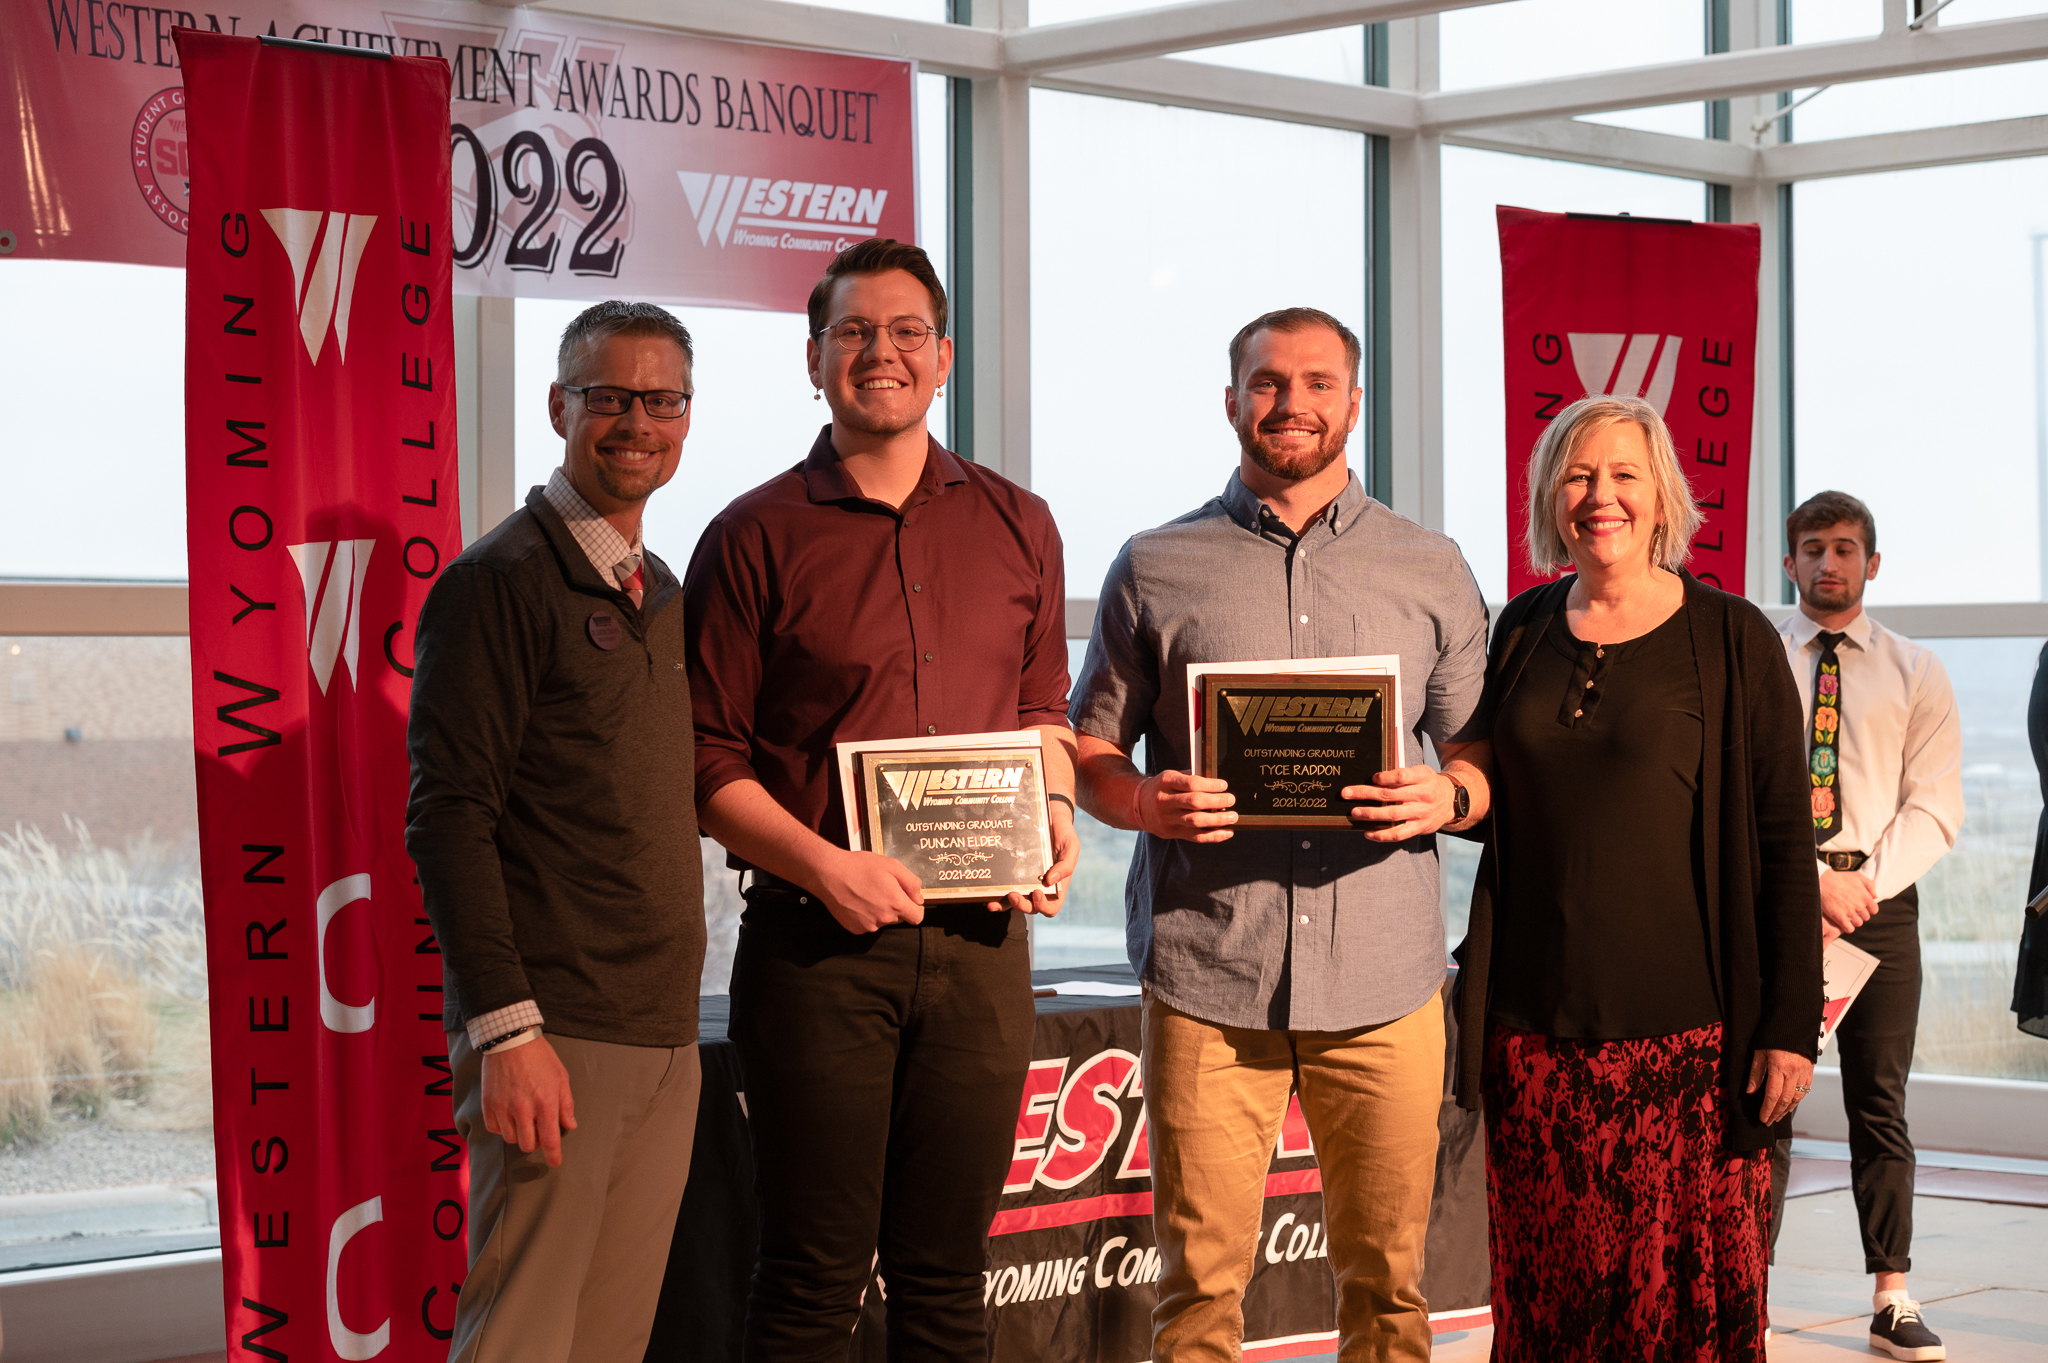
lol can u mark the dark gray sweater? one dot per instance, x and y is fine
(552, 817)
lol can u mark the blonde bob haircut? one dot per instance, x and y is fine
(1566, 435)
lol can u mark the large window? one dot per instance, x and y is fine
(1933, 100)
(103, 1030)
(92, 453)
(1918, 365)
(1531, 39)
(1333, 54)
(1144, 263)
(1970, 904)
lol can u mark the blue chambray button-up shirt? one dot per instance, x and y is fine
(1285, 929)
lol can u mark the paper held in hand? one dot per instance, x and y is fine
(1290, 735)
(1844, 970)
(964, 813)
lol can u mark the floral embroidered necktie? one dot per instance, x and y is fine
(1823, 761)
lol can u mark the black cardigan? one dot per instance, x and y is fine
(1762, 890)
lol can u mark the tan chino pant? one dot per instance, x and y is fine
(565, 1265)
(1215, 1098)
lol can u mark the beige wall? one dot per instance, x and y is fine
(130, 771)
(105, 688)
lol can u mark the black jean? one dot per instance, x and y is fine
(1876, 1045)
(882, 1075)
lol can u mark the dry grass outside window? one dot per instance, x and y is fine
(102, 985)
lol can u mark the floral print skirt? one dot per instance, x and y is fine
(1621, 1230)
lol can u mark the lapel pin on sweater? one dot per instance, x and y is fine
(604, 630)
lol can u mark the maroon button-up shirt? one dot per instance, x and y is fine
(814, 616)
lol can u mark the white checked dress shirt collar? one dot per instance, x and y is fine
(1901, 745)
(610, 553)
(616, 560)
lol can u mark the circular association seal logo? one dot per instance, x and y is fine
(162, 158)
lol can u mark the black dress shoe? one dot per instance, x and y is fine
(1898, 1330)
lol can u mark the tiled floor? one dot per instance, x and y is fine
(1980, 1269)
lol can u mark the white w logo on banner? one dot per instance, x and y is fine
(333, 279)
(333, 573)
(1616, 364)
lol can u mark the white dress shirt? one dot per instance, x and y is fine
(614, 557)
(1901, 747)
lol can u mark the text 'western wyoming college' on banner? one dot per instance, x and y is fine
(1645, 307)
(588, 160)
(320, 501)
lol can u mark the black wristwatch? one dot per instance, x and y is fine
(1461, 803)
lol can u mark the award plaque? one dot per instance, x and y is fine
(969, 822)
(1289, 743)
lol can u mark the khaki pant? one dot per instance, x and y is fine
(1215, 1098)
(565, 1265)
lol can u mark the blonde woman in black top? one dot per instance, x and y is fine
(1641, 993)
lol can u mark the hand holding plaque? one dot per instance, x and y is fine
(964, 813)
(1289, 742)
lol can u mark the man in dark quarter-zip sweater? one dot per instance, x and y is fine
(555, 833)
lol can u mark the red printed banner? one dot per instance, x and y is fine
(320, 495)
(589, 160)
(1661, 310)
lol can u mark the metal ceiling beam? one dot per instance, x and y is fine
(964, 50)
(946, 49)
(1756, 71)
(1189, 27)
(2000, 140)
(1601, 144)
(1528, 119)
(1256, 94)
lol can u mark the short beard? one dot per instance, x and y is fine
(1830, 601)
(1293, 468)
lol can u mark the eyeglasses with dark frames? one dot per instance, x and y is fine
(856, 335)
(663, 404)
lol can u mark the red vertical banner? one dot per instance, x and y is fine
(1649, 308)
(321, 484)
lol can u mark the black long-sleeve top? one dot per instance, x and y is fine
(1599, 928)
(1761, 895)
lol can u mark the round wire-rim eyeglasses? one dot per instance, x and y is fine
(663, 404)
(856, 336)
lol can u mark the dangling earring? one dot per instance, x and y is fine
(816, 394)
(941, 391)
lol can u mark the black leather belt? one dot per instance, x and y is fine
(1842, 861)
(762, 880)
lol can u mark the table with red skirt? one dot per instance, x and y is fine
(1072, 1269)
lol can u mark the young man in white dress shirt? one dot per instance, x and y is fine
(1885, 758)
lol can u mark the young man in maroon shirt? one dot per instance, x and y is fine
(882, 588)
